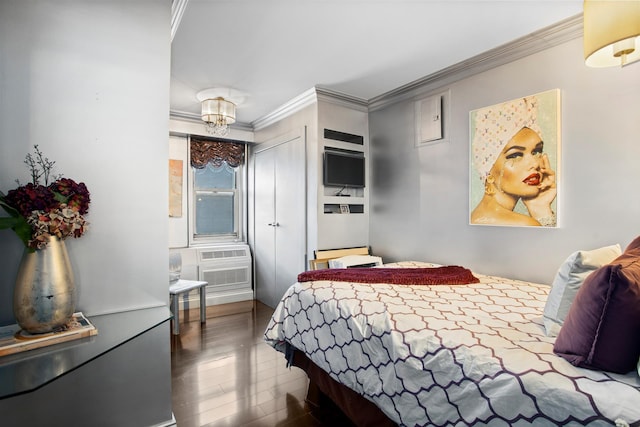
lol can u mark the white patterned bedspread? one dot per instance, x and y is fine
(449, 354)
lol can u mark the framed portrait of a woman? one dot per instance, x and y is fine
(515, 155)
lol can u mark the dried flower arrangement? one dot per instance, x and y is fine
(38, 211)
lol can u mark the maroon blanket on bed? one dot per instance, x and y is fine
(447, 275)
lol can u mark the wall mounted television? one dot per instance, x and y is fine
(344, 169)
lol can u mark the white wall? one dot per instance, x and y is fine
(419, 197)
(89, 83)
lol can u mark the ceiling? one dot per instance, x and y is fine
(271, 51)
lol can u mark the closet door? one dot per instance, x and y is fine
(291, 218)
(280, 218)
(265, 232)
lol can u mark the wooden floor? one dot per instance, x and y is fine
(224, 374)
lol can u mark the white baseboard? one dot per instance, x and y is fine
(229, 297)
(216, 299)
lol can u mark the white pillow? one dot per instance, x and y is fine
(568, 280)
(355, 261)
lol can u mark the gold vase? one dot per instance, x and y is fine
(44, 294)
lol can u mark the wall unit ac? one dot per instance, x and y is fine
(227, 269)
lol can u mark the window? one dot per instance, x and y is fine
(216, 190)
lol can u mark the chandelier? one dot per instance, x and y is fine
(219, 108)
(218, 114)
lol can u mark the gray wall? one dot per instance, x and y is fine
(88, 81)
(419, 196)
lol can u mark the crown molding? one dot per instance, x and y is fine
(296, 104)
(561, 32)
(186, 116)
(342, 99)
(177, 10)
(307, 98)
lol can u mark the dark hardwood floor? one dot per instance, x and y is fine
(224, 374)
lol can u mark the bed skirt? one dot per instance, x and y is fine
(362, 412)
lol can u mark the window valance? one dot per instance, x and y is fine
(205, 151)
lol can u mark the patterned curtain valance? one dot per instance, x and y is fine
(205, 151)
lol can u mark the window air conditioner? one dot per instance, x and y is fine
(227, 270)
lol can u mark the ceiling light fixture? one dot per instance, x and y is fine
(611, 32)
(218, 114)
(219, 109)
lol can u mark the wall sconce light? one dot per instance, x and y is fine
(611, 32)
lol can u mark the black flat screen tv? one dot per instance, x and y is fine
(344, 169)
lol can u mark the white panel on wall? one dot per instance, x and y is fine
(428, 119)
(432, 118)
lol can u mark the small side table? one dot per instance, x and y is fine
(184, 287)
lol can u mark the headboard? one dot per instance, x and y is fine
(323, 256)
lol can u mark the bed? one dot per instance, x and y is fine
(442, 354)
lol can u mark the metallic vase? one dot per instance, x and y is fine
(45, 294)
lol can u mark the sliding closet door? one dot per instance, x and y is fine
(280, 218)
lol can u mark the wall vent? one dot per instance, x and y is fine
(211, 254)
(227, 278)
(343, 136)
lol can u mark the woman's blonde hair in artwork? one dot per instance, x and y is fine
(494, 126)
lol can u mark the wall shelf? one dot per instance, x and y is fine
(332, 208)
(343, 200)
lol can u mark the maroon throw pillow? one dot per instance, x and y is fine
(602, 329)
